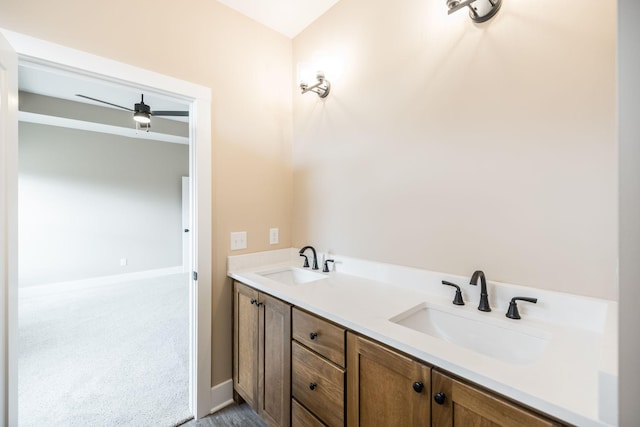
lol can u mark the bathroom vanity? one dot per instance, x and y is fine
(374, 344)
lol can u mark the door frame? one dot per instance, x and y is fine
(8, 233)
(55, 56)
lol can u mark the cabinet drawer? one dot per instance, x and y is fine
(319, 335)
(300, 417)
(318, 385)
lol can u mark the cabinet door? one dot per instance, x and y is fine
(384, 387)
(245, 351)
(275, 361)
(466, 406)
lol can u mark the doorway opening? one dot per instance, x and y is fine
(198, 98)
(103, 299)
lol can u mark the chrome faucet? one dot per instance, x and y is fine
(484, 296)
(315, 257)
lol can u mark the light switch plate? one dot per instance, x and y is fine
(274, 236)
(238, 240)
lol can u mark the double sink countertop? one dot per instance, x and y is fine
(565, 365)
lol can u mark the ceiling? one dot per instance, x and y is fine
(288, 17)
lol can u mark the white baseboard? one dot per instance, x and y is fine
(100, 281)
(221, 395)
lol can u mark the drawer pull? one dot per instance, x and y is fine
(418, 386)
(313, 335)
(253, 301)
(439, 398)
(312, 386)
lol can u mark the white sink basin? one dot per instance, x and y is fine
(505, 340)
(293, 276)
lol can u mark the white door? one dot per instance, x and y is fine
(186, 225)
(8, 232)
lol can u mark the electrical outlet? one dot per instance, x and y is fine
(123, 262)
(238, 240)
(274, 237)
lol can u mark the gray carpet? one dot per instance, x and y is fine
(109, 355)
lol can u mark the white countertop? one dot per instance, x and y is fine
(574, 379)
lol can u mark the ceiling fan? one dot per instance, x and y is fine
(141, 112)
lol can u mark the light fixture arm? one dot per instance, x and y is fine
(479, 10)
(456, 6)
(321, 88)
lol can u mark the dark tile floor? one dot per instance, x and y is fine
(231, 416)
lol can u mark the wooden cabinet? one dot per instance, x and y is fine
(262, 353)
(297, 369)
(318, 374)
(462, 405)
(245, 344)
(385, 387)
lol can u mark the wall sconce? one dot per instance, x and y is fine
(322, 88)
(479, 10)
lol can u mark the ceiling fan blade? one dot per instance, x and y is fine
(170, 113)
(104, 102)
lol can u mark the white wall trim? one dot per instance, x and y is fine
(221, 396)
(99, 281)
(8, 234)
(82, 63)
(43, 119)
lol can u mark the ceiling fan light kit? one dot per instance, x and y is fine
(141, 117)
(143, 127)
(142, 112)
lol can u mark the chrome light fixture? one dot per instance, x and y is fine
(479, 10)
(322, 87)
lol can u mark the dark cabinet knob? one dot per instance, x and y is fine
(312, 386)
(439, 398)
(253, 301)
(313, 335)
(186, 230)
(418, 387)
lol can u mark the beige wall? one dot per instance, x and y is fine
(452, 146)
(248, 68)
